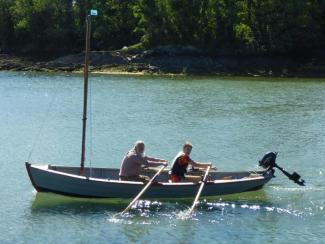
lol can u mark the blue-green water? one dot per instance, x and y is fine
(231, 122)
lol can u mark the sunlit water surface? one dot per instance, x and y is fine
(231, 122)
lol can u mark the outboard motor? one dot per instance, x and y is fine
(268, 162)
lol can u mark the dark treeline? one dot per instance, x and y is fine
(238, 26)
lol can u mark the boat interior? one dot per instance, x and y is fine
(113, 173)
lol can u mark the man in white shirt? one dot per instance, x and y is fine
(133, 162)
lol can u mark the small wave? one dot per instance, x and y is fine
(183, 215)
(228, 207)
(298, 189)
(153, 212)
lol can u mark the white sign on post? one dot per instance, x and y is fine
(93, 12)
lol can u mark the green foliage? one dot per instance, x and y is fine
(6, 25)
(115, 24)
(254, 26)
(244, 33)
(45, 25)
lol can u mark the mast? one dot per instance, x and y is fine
(84, 117)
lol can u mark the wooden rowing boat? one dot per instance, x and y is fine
(105, 183)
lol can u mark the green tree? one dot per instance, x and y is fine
(44, 25)
(286, 26)
(248, 26)
(6, 25)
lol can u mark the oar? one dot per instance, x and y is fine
(142, 192)
(199, 191)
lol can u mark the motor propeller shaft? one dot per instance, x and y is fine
(295, 177)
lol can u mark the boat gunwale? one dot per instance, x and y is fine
(150, 169)
(214, 182)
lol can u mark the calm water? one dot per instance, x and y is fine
(231, 122)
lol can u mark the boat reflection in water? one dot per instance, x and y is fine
(55, 203)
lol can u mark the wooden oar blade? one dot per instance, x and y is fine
(142, 191)
(199, 191)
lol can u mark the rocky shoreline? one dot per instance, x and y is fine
(171, 60)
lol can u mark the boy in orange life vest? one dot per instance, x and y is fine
(180, 163)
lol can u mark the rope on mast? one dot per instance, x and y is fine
(44, 120)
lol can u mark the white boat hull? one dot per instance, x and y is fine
(66, 181)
